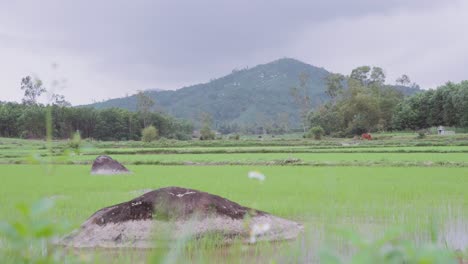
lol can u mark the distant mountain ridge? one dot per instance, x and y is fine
(249, 96)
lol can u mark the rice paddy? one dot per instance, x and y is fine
(367, 187)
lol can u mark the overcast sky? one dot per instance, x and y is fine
(110, 48)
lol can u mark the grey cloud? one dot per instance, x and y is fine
(179, 31)
(165, 44)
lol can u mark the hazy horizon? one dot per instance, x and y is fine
(109, 49)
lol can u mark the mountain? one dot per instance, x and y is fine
(245, 96)
(257, 95)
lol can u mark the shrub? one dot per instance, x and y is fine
(207, 134)
(339, 134)
(234, 137)
(75, 141)
(421, 134)
(26, 135)
(316, 132)
(182, 136)
(149, 134)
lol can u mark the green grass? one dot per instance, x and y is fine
(295, 192)
(383, 139)
(371, 191)
(258, 157)
(328, 153)
(321, 198)
(276, 149)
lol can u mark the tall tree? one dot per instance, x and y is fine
(404, 80)
(144, 106)
(205, 131)
(283, 121)
(377, 76)
(302, 99)
(361, 74)
(59, 100)
(32, 90)
(334, 83)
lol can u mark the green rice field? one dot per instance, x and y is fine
(369, 188)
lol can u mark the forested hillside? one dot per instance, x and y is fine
(248, 96)
(252, 97)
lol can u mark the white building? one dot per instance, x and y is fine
(441, 131)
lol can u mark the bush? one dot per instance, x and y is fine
(149, 134)
(234, 137)
(182, 136)
(421, 134)
(207, 134)
(75, 141)
(316, 132)
(24, 135)
(339, 134)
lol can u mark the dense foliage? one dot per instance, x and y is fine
(316, 132)
(447, 106)
(29, 121)
(366, 105)
(149, 134)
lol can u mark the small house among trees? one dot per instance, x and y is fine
(441, 131)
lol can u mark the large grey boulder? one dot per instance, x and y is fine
(186, 213)
(105, 165)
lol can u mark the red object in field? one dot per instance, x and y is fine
(366, 136)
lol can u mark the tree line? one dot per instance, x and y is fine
(29, 121)
(358, 103)
(30, 118)
(447, 106)
(362, 102)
